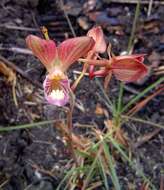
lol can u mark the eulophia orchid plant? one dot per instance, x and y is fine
(57, 90)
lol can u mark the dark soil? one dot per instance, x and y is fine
(27, 156)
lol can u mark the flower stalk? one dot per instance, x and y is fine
(70, 126)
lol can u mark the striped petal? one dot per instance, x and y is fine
(128, 69)
(44, 50)
(72, 49)
(138, 57)
(97, 34)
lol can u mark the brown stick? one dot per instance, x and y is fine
(21, 72)
(12, 27)
(145, 138)
(17, 50)
(142, 103)
(135, 2)
(69, 127)
(67, 18)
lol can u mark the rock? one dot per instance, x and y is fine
(83, 23)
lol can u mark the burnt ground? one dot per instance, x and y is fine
(27, 155)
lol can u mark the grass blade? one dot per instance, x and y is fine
(133, 165)
(108, 101)
(65, 178)
(143, 121)
(70, 173)
(91, 170)
(132, 35)
(27, 126)
(119, 104)
(111, 167)
(103, 174)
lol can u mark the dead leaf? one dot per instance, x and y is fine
(7, 72)
(109, 124)
(145, 186)
(118, 133)
(99, 110)
(11, 78)
(121, 137)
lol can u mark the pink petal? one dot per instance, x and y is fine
(72, 49)
(139, 57)
(44, 50)
(97, 34)
(64, 87)
(128, 69)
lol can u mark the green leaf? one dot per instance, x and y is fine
(103, 173)
(119, 104)
(131, 163)
(148, 122)
(111, 167)
(91, 169)
(27, 126)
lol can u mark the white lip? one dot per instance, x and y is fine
(57, 94)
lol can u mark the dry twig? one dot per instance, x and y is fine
(11, 78)
(145, 138)
(67, 18)
(142, 103)
(17, 50)
(145, 2)
(12, 27)
(150, 8)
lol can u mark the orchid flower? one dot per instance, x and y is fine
(126, 68)
(97, 35)
(57, 60)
